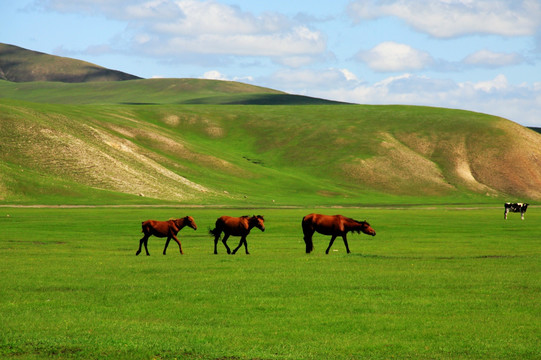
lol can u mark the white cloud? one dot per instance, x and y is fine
(216, 75)
(209, 27)
(349, 75)
(520, 103)
(210, 17)
(395, 57)
(183, 27)
(118, 9)
(392, 57)
(499, 83)
(492, 59)
(451, 18)
(300, 81)
(153, 9)
(295, 42)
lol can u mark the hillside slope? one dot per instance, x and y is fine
(22, 65)
(208, 142)
(153, 92)
(320, 154)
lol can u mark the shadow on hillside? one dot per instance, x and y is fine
(138, 103)
(262, 99)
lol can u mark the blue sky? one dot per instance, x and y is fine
(479, 55)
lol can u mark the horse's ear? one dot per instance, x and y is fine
(261, 217)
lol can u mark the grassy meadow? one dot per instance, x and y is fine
(445, 277)
(435, 283)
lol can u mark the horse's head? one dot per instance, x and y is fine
(258, 222)
(367, 229)
(189, 221)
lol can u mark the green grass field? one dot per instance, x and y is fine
(435, 283)
(445, 278)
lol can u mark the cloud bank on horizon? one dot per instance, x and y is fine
(480, 55)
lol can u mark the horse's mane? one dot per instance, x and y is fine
(248, 216)
(356, 222)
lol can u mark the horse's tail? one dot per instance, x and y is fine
(144, 227)
(308, 233)
(215, 232)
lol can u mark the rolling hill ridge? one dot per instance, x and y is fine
(214, 142)
(21, 65)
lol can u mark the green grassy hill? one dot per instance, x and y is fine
(152, 92)
(217, 142)
(261, 154)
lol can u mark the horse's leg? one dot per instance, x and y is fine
(346, 243)
(330, 244)
(178, 242)
(141, 242)
(309, 244)
(216, 233)
(308, 232)
(224, 241)
(146, 244)
(308, 240)
(242, 239)
(166, 244)
(246, 246)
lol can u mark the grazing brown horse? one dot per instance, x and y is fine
(162, 229)
(236, 226)
(336, 225)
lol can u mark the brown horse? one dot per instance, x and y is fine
(336, 225)
(162, 229)
(236, 226)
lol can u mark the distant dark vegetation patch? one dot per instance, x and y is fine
(254, 161)
(36, 242)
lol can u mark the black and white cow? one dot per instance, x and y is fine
(515, 207)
